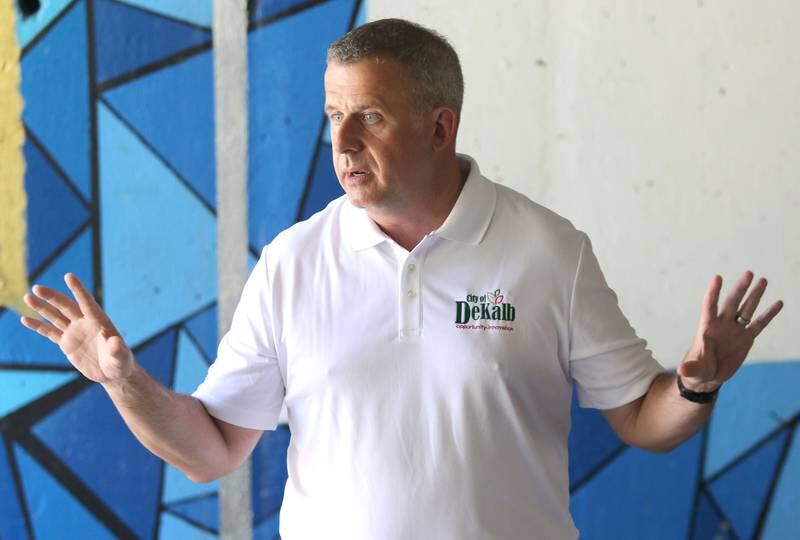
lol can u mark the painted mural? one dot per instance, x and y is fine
(119, 180)
(119, 149)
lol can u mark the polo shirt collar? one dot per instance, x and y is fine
(359, 228)
(474, 208)
(467, 221)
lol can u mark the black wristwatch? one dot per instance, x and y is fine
(696, 397)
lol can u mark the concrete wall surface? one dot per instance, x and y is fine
(665, 131)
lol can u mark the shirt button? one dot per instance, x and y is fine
(411, 294)
(412, 267)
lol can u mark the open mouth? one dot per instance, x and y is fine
(356, 174)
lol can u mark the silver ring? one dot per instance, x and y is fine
(741, 320)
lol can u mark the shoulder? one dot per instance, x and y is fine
(307, 237)
(528, 223)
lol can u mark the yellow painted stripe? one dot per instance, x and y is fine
(13, 275)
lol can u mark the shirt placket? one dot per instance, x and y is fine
(410, 291)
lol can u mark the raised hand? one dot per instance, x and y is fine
(725, 337)
(82, 330)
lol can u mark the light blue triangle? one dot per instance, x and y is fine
(193, 11)
(18, 387)
(782, 519)
(21, 345)
(159, 241)
(55, 87)
(326, 132)
(192, 368)
(29, 28)
(53, 511)
(190, 372)
(177, 486)
(172, 528)
(745, 412)
(361, 17)
(742, 491)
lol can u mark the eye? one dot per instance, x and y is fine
(337, 118)
(371, 118)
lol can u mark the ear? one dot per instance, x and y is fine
(445, 127)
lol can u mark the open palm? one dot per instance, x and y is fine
(81, 329)
(725, 336)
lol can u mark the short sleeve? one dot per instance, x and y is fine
(244, 386)
(611, 366)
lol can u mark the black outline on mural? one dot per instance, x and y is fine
(301, 206)
(153, 150)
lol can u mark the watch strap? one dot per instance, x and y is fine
(696, 397)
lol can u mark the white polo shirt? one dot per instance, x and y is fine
(429, 391)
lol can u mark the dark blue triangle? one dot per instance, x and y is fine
(20, 345)
(269, 472)
(203, 328)
(591, 442)
(53, 511)
(128, 38)
(286, 96)
(88, 435)
(629, 482)
(782, 519)
(742, 490)
(173, 109)
(12, 522)
(55, 86)
(268, 529)
(264, 9)
(708, 524)
(204, 511)
(324, 186)
(54, 211)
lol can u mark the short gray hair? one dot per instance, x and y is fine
(430, 61)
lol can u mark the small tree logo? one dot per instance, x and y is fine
(495, 298)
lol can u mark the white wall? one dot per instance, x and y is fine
(669, 131)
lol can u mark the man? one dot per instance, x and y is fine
(424, 333)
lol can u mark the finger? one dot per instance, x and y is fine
(750, 305)
(85, 300)
(711, 300)
(764, 319)
(46, 311)
(734, 298)
(689, 369)
(63, 303)
(47, 330)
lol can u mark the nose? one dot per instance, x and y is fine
(346, 136)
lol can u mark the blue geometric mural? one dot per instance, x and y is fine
(634, 494)
(121, 188)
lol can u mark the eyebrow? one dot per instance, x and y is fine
(359, 107)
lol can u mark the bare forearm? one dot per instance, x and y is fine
(175, 427)
(665, 419)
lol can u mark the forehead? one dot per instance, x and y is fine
(381, 80)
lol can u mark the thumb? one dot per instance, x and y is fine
(116, 348)
(700, 364)
(690, 369)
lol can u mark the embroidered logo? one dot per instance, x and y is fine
(485, 312)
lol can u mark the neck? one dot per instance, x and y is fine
(409, 226)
